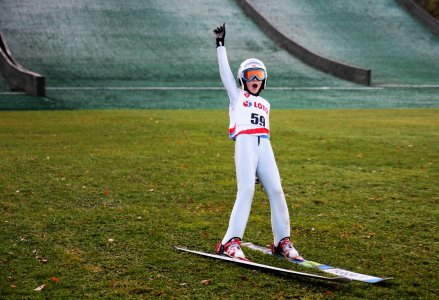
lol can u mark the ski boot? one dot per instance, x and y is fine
(286, 249)
(231, 249)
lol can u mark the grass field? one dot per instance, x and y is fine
(93, 201)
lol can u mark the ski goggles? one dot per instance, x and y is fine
(251, 74)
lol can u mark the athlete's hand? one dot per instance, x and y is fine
(220, 33)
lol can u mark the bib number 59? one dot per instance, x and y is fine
(257, 119)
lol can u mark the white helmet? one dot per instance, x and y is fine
(251, 63)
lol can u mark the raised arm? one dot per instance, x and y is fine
(224, 68)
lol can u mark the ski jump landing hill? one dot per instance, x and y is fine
(17, 76)
(337, 36)
(161, 54)
(336, 68)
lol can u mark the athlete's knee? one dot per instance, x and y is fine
(246, 189)
(275, 192)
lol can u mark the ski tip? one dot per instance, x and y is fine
(380, 280)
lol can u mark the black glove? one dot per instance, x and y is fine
(220, 33)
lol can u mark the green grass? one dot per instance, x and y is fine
(97, 199)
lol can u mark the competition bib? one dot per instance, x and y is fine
(250, 115)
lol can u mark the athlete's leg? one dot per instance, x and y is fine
(246, 159)
(268, 174)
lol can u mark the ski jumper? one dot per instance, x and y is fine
(250, 129)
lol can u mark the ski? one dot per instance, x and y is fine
(322, 267)
(265, 267)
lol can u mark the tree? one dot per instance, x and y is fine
(431, 6)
